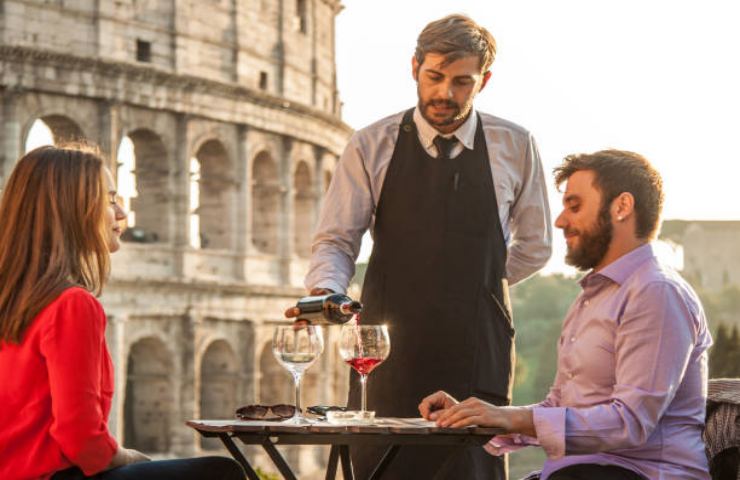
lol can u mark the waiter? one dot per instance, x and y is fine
(457, 206)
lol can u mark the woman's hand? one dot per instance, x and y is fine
(127, 456)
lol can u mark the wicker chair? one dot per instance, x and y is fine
(722, 433)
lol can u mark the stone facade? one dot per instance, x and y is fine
(710, 254)
(232, 103)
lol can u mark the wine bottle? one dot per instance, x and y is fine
(333, 308)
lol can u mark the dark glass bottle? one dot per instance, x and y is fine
(334, 308)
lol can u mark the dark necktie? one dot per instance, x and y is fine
(444, 146)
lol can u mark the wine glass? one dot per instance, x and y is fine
(296, 347)
(364, 347)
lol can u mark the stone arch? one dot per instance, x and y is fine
(276, 384)
(148, 170)
(63, 130)
(216, 196)
(265, 203)
(149, 396)
(219, 383)
(304, 202)
(327, 165)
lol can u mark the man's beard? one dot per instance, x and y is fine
(456, 114)
(593, 244)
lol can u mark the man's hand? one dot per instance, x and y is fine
(433, 405)
(474, 411)
(293, 312)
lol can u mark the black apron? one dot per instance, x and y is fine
(436, 277)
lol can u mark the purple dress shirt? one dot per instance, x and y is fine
(631, 383)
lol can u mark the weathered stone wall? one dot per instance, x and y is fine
(243, 89)
(711, 256)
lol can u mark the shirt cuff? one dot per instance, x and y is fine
(334, 286)
(97, 457)
(549, 422)
(507, 443)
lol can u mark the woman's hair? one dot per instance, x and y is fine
(52, 232)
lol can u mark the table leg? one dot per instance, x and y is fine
(331, 468)
(388, 457)
(346, 462)
(278, 460)
(237, 454)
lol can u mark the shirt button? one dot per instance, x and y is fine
(570, 375)
(572, 339)
(585, 303)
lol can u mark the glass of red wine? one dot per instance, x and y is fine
(364, 347)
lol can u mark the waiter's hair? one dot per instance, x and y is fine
(52, 232)
(616, 172)
(456, 36)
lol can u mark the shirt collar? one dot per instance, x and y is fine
(465, 133)
(620, 269)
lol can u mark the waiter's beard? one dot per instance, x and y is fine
(457, 113)
(593, 243)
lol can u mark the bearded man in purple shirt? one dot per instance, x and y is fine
(628, 401)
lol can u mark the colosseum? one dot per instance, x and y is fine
(231, 111)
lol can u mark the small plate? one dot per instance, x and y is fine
(350, 417)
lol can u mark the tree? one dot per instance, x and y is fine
(724, 357)
(539, 305)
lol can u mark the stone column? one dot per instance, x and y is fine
(286, 245)
(280, 49)
(115, 334)
(314, 48)
(183, 437)
(181, 191)
(10, 133)
(235, 47)
(110, 134)
(319, 187)
(242, 206)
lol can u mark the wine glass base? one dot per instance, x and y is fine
(351, 417)
(298, 420)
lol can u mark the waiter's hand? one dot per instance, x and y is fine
(293, 312)
(434, 404)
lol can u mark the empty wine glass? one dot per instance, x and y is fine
(364, 347)
(296, 348)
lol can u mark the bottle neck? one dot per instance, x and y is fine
(350, 308)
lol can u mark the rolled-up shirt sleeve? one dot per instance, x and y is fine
(74, 348)
(345, 216)
(654, 340)
(531, 233)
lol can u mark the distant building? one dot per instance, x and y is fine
(234, 116)
(710, 250)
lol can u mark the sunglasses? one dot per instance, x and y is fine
(259, 412)
(321, 410)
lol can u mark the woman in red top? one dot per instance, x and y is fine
(58, 224)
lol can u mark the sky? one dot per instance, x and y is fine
(656, 77)
(652, 76)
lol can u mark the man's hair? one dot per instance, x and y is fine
(616, 172)
(52, 232)
(456, 36)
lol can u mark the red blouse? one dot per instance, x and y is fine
(55, 392)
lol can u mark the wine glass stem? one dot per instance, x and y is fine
(297, 382)
(363, 383)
